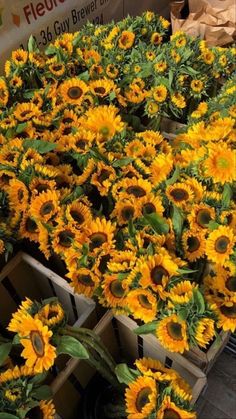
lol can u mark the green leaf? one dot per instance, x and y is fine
(158, 223)
(5, 349)
(146, 328)
(21, 127)
(84, 76)
(199, 301)
(171, 76)
(185, 271)
(178, 220)
(213, 225)
(39, 378)
(51, 50)
(125, 374)
(71, 346)
(174, 177)
(39, 145)
(50, 300)
(131, 228)
(4, 415)
(16, 340)
(183, 313)
(42, 393)
(226, 195)
(112, 95)
(78, 191)
(122, 162)
(32, 44)
(217, 341)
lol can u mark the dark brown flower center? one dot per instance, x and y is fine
(20, 195)
(103, 175)
(137, 191)
(179, 194)
(117, 289)
(229, 311)
(171, 414)
(77, 216)
(30, 225)
(100, 90)
(75, 92)
(144, 302)
(65, 238)
(97, 240)
(35, 413)
(157, 274)
(221, 244)
(193, 244)
(57, 67)
(231, 283)
(127, 212)
(148, 208)
(86, 280)
(43, 187)
(81, 143)
(175, 330)
(142, 398)
(46, 208)
(67, 131)
(37, 343)
(203, 217)
(103, 263)
(25, 113)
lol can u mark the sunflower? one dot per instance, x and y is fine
(78, 214)
(159, 93)
(2, 247)
(196, 85)
(73, 91)
(45, 410)
(161, 167)
(16, 82)
(226, 312)
(194, 244)
(182, 293)
(179, 193)
(51, 314)
(4, 94)
(179, 100)
(169, 410)
(125, 210)
(150, 204)
(112, 71)
(102, 87)
(156, 38)
(205, 331)
(88, 169)
(140, 397)
(172, 333)
(39, 185)
(142, 304)
(181, 388)
(160, 66)
(100, 234)
(65, 238)
(15, 373)
(156, 272)
(219, 244)
(91, 56)
(18, 194)
(134, 148)
(201, 110)
(19, 57)
(25, 111)
(220, 165)
(154, 368)
(57, 69)
(103, 178)
(44, 206)
(103, 121)
(133, 187)
(84, 281)
(114, 290)
(121, 261)
(200, 216)
(208, 56)
(126, 40)
(25, 307)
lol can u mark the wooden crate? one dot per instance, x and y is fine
(117, 334)
(206, 360)
(170, 128)
(24, 277)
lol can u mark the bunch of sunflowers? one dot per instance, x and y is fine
(150, 390)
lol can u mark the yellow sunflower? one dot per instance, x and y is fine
(125, 210)
(159, 93)
(66, 237)
(142, 304)
(26, 111)
(100, 234)
(140, 397)
(45, 410)
(102, 87)
(16, 82)
(112, 71)
(18, 194)
(57, 69)
(182, 293)
(156, 272)
(4, 94)
(39, 185)
(154, 368)
(181, 388)
(15, 324)
(51, 314)
(226, 312)
(126, 40)
(121, 261)
(156, 38)
(114, 290)
(208, 56)
(197, 85)
(220, 166)
(44, 206)
(179, 193)
(172, 333)
(160, 66)
(194, 244)
(19, 57)
(78, 214)
(136, 188)
(103, 178)
(73, 91)
(150, 137)
(219, 244)
(2, 247)
(205, 331)
(15, 373)
(169, 410)
(161, 167)
(179, 100)
(150, 204)
(84, 281)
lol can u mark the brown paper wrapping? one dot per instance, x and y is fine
(212, 20)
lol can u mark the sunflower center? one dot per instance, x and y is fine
(67, 130)
(117, 289)
(100, 90)
(179, 194)
(221, 244)
(142, 398)
(97, 240)
(144, 302)
(86, 280)
(37, 343)
(137, 191)
(222, 163)
(20, 194)
(103, 175)
(30, 225)
(52, 313)
(57, 67)
(42, 188)
(229, 311)
(77, 216)
(25, 113)
(203, 217)
(127, 212)
(231, 284)
(104, 131)
(46, 208)
(148, 208)
(81, 143)
(157, 274)
(65, 238)
(35, 413)
(193, 244)
(103, 263)
(175, 330)
(171, 414)
(75, 92)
